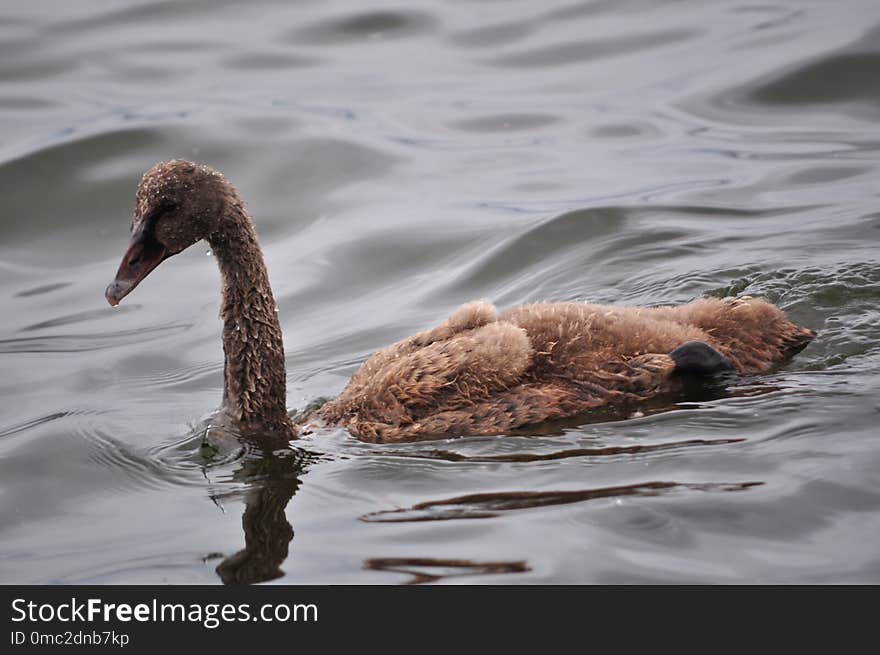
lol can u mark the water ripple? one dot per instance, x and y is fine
(580, 51)
(70, 343)
(601, 451)
(488, 505)
(372, 26)
(429, 569)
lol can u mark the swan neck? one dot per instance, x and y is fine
(254, 373)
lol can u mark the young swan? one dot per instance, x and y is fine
(479, 372)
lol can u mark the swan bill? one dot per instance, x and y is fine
(143, 255)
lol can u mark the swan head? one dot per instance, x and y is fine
(177, 204)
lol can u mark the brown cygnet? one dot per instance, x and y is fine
(480, 372)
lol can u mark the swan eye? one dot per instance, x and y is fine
(164, 206)
(167, 205)
(156, 212)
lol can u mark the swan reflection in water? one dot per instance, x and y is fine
(272, 478)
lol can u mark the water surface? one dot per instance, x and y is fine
(401, 158)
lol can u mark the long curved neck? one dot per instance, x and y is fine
(255, 391)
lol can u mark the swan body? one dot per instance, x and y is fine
(479, 372)
(484, 372)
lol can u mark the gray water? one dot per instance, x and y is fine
(402, 158)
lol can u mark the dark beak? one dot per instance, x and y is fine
(143, 255)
